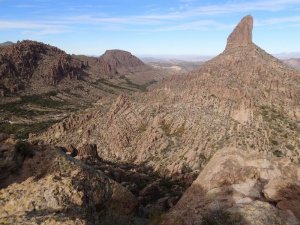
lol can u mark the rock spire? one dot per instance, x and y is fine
(242, 34)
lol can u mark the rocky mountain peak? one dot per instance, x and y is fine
(30, 62)
(119, 62)
(116, 53)
(6, 43)
(242, 34)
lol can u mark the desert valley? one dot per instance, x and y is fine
(118, 140)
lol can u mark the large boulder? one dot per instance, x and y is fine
(241, 188)
(54, 188)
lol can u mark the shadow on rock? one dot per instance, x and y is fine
(18, 161)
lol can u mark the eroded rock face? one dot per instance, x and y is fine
(118, 62)
(242, 34)
(250, 188)
(32, 63)
(53, 188)
(242, 98)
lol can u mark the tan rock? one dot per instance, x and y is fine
(243, 98)
(285, 192)
(242, 34)
(52, 188)
(231, 182)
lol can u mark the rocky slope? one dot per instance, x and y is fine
(243, 98)
(30, 63)
(174, 65)
(123, 67)
(118, 62)
(240, 187)
(43, 185)
(30, 67)
(236, 119)
(293, 62)
(41, 84)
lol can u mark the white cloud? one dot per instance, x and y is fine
(31, 27)
(180, 18)
(279, 20)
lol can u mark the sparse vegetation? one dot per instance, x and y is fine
(290, 147)
(142, 128)
(17, 108)
(274, 142)
(218, 217)
(186, 168)
(43, 100)
(105, 82)
(282, 129)
(278, 153)
(22, 130)
(166, 128)
(179, 132)
(142, 87)
(24, 149)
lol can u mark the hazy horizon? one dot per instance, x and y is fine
(177, 27)
(183, 57)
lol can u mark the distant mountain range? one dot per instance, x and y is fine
(29, 65)
(6, 43)
(294, 62)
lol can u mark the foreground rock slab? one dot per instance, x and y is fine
(53, 188)
(238, 187)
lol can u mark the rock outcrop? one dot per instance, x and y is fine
(236, 119)
(50, 187)
(30, 63)
(242, 98)
(242, 34)
(238, 187)
(118, 62)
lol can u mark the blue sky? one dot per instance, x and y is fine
(174, 27)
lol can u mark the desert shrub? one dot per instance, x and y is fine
(24, 149)
(278, 153)
(290, 147)
(274, 142)
(43, 100)
(186, 168)
(22, 131)
(218, 217)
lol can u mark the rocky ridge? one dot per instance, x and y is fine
(41, 84)
(47, 186)
(243, 98)
(234, 121)
(239, 187)
(242, 34)
(118, 62)
(30, 63)
(30, 66)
